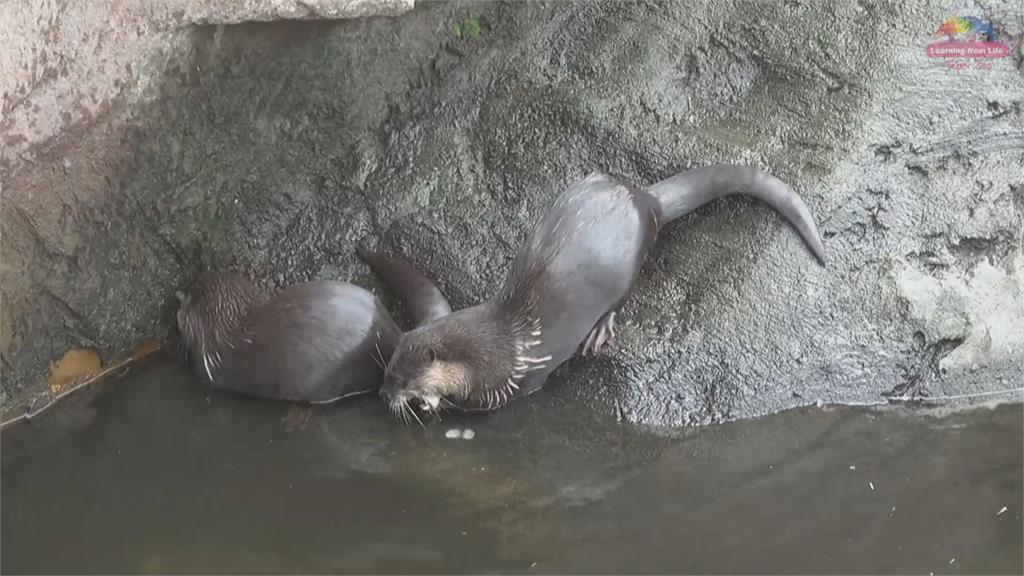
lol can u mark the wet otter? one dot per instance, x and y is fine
(314, 342)
(421, 297)
(573, 272)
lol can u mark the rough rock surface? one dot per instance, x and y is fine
(276, 148)
(66, 62)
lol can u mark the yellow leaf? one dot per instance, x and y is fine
(145, 348)
(76, 364)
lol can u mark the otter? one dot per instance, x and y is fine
(566, 283)
(315, 342)
(421, 297)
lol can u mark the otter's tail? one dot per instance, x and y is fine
(422, 298)
(685, 192)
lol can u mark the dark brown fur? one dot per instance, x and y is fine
(313, 342)
(575, 269)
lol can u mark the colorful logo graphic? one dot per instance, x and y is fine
(967, 38)
(960, 27)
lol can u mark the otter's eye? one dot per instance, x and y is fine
(431, 354)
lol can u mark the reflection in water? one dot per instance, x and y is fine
(152, 474)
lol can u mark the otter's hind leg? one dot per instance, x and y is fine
(603, 334)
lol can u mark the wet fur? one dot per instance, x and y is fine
(575, 269)
(469, 339)
(420, 296)
(315, 342)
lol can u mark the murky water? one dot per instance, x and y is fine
(152, 474)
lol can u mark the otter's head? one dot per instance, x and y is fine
(463, 360)
(211, 312)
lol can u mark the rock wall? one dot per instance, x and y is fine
(76, 79)
(442, 133)
(66, 63)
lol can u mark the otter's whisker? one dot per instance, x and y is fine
(416, 416)
(206, 365)
(376, 345)
(378, 362)
(398, 410)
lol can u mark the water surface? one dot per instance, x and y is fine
(153, 474)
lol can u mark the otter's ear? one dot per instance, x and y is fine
(431, 355)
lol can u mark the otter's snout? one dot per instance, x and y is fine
(393, 389)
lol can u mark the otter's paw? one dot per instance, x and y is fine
(602, 335)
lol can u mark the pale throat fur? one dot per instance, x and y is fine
(486, 352)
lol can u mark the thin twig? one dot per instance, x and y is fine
(955, 396)
(91, 379)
